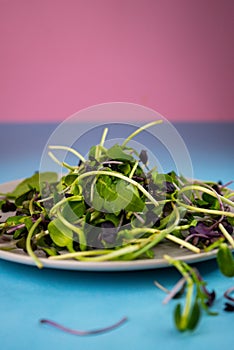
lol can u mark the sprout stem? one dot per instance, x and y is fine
(183, 243)
(208, 211)
(226, 235)
(136, 132)
(83, 333)
(28, 243)
(62, 164)
(103, 137)
(133, 170)
(103, 254)
(208, 191)
(69, 149)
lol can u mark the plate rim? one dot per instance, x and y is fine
(131, 265)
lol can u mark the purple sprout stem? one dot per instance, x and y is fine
(17, 227)
(175, 290)
(201, 235)
(228, 292)
(13, 229)
(84, 333)
(227, 184)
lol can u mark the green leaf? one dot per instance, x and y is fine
(212, 201)
(21, 242)
(16, 220)
(113, 218)
(225, 260)
(92, 152)
(26, 196)
(201, 203)
(87, 216)
(208, 198)
(32, 182)
(150, 254)
(51, 251)
(106, 188)
(59, 233)
(127, 198)
(28, 223)
(76, 189)
(97, 203)
(115, 195)
(178, 317)
(194, 316)
(174, 177)
(125, 168)
(69, 179)
(20, 233)
(231, 221)
(117, 152)
(74, 210)
(130, 194)
(159, 178)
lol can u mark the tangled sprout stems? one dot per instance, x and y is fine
(156, 238)
(120, 176)
(102, 255)
(208, 191)
(204, 210)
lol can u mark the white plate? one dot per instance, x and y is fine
(163, 248)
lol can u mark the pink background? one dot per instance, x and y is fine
(59, 56)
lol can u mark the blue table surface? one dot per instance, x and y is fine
(87, 300)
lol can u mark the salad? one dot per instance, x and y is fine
(112, 206)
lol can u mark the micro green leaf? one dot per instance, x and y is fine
(119, 152)
(194, 316)
(59, 233)
(177, 317)
(33, 182)
(69, 179)
(225, 260)
(73, 210)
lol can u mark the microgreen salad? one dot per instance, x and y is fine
(111, 206)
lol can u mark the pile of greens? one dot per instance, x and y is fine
(111, 206)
